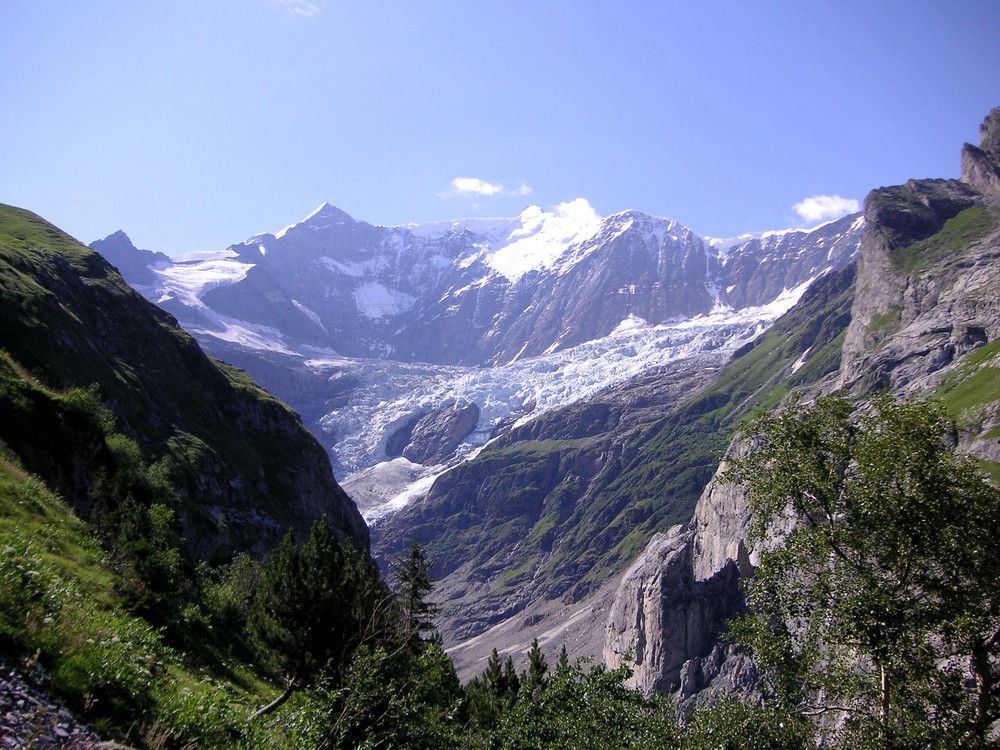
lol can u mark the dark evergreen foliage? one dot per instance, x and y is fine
(413, 586)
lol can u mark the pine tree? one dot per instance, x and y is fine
(317, 604)
(534, 677)
(411, 572)
(563, 662)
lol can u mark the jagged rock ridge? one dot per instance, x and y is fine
(925, 319)
(474, 292)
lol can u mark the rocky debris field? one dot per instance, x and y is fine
(29, 718)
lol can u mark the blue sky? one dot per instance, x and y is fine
(194, 125)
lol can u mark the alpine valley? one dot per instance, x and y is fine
(485, 385)
(543, 401)
(537, 399)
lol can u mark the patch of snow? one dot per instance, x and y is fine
(245, 335)
(801, 360)
(525, 388)
(190, 276)
(308, 313)
(543, 238)
(435, 230)
(354, 270)
(376, 301)
(630, 323)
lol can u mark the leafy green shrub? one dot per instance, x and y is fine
(878, 606)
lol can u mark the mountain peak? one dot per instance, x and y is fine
(327, 212)
(118, 239)
(132, 262)
(530, 211)
(321, 218)
(981, 164)
(989, 133)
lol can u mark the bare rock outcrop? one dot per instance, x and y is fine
(674, 601)
(981, 165)
(435, 436)
(925, 298)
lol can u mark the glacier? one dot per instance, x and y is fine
(298, 297)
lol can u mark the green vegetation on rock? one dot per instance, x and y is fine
(876, 605)
(958, 232)
(569, 499)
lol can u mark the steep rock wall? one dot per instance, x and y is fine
(925, 319)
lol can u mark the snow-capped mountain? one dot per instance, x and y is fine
(368, 330)
(480, 291)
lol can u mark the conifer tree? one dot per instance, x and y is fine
(411, 572)
(316, 605)
(534, 677)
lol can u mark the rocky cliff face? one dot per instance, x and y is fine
(925, 319)
(435, 436)
(666, 597)
(981, 164)
(242, 462)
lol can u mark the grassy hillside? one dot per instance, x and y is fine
(131, 467)
(241, 462)
(61, 604)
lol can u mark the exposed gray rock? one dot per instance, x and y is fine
(663, 616)
(397, 442)
(131, 263)
(889, 297)
(520, 507)
(435, 437)
(31, 718)
(724, 672)
(761, 268)
(981, 165)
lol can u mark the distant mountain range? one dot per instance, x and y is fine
(472, 292)
(367, 330)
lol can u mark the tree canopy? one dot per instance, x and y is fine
(875, 604)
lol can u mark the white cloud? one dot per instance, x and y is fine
(471, 187)
(475, 186)
(825, 208)
(300, 7)
(579, 209)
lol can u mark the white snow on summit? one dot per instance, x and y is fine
(544, 237)
(534, 240)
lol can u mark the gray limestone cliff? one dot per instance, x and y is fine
(925, 320)
(981, 164)
(672, 603)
